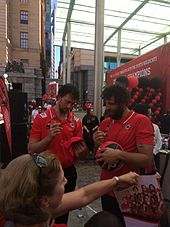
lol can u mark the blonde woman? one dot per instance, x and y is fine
(32, 191)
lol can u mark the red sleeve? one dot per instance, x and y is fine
(36, 128)
(144, 131)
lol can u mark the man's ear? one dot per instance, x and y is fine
(45, 201)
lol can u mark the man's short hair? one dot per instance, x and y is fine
(68, 89)
(120, 94)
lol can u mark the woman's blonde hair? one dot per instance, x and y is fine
(22, 185)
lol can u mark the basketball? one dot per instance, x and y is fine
(114, 146)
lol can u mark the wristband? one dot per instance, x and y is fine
(117, 179)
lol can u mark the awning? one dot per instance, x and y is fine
(145, 24)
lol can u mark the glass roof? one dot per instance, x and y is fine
(144, 24)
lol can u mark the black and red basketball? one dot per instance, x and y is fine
(114, 146)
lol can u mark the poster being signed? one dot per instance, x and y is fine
(141, 204)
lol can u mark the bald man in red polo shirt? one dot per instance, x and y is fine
(132, 131)
(55, 130)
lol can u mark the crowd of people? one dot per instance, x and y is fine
(38, 188)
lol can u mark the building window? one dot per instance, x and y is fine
(24, 39)
(110, 63)
(24, 17)
(23, 1)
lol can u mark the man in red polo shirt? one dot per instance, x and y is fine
(131, 131)
(60, 131)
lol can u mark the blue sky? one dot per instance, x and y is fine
(57, 56)
(53, 4)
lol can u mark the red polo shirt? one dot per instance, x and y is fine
(71, 127)
(130, 131)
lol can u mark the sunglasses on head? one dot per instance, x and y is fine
(40, 162)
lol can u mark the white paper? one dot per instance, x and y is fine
(141, 204)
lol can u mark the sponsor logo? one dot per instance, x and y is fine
(128, 126)
(43, 115)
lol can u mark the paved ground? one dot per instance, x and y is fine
(88, 172)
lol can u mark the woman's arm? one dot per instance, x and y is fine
(83, 196)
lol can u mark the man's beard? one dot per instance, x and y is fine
(62, 110)
(117, 114)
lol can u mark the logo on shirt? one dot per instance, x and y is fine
(72, 124)
(43, 115)
(128, 126)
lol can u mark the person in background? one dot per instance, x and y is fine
(32, 191)
(143, 109)
(122, 81)
(103, 219)
(157, 135)
(90, 122)
(54, 130)
(165, 123)
(132, 131)
(45, 104)
(36, 111)
(40, 109)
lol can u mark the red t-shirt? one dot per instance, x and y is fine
(130, 131)
(71, 127)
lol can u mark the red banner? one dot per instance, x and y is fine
(52, 90)
(5, 109)
(151, 64)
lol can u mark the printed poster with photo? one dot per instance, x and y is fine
(141, 204)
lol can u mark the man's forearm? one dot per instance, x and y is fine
(136, 159)
(39, 146)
